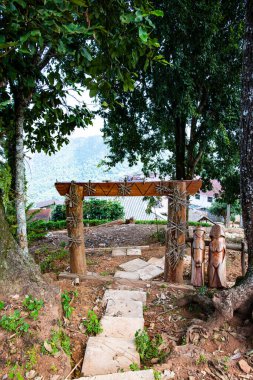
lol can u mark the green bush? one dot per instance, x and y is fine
(59, 213)
(199, 224)
(102, 209)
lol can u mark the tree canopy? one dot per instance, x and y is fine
(52, 48)
(182, 119)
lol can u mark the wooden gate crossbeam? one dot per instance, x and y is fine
(114, 189)
(176, 191)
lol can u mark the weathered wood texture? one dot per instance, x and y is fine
(175, 235)
(112, 189)
(217, 258)
(74, 213)
(198, 257)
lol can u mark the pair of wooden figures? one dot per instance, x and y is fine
(216, 261)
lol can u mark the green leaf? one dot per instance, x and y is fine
(157, 13)
(79, 2)
(143, 34)
(85, 53)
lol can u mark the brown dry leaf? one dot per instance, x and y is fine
(48, 347)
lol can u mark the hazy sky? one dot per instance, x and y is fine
(98, 121)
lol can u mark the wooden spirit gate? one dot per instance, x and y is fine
(176, 191)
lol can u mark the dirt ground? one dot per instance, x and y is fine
(215, 357)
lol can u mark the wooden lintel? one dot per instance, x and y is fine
(112, 189)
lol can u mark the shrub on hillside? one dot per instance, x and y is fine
(59, 213)
(102, 209)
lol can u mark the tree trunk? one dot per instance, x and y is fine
(247, 136)
(228, 215)
(180, 148)
(18, 274)
(241, 296)
(20, 180)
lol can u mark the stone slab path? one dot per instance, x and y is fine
(138, 375)
(126, 252)
(109, 354)
(139, 269)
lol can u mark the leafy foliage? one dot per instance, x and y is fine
(103, 209)
(33, 305)
(58, 340)
(182, 118)
(58, 213)
(93, 209)
(219, 208)
(14, 322)
(66, 299)
(147, 348)
(92, 324)
(2, 305)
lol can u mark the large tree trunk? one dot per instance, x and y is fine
(240, 297)
(20, 180)
(18, 274)
(180, 139)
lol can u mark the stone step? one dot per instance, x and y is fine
(134, 295)
(105, 355)
(158, 262)
(127, 275)
(150, 272)
(120, 327)
(137, 375)
(127, 309)
(133, 265)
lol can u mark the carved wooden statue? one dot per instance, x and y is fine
(198, 257)
(217, 258)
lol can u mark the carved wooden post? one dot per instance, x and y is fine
(198, 257)
(217, 258)
(74, 214)
(175, 235)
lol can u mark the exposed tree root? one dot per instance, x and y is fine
(220, 308)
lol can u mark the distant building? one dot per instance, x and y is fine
(40, 214)
(50, 203)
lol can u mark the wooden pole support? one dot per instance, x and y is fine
(74, 214)
(175, 235)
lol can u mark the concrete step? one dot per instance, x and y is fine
(121, 327)
(134, 295)
(137, 375)
(106, 355)
(127, 309)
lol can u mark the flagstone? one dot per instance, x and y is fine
(134, 295)
(158, 262)
(121, 308)
(133, 265)
(121, 327)
(133, 252)
(106, 355)
(150, 272)
(119, 252)
(127, 275)
(137, 375)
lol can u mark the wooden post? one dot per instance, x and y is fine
(74, 214)
(175, 235)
